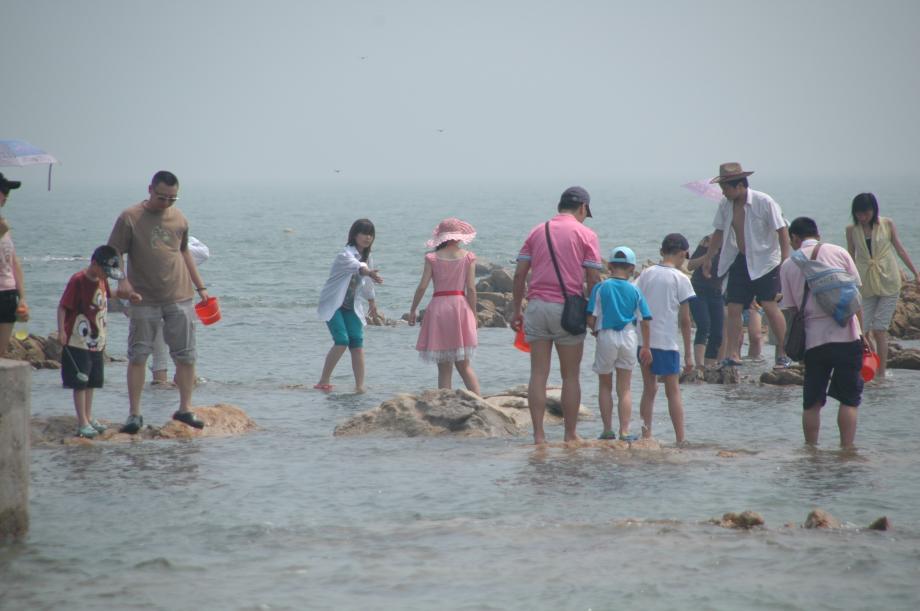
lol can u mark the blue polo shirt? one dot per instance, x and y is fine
(615, 303)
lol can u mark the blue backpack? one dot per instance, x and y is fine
(835, 290)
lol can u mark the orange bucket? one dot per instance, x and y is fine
(870, 365)
(208, 311)
(520, 342)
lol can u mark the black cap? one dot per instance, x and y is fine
(674, 242)
(107, 258)
(574, 197)
(8, 185)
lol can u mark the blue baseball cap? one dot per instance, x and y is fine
(622, 254)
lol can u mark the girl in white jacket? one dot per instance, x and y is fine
(346, 300)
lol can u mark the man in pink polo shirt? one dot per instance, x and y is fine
(833, 354)
(578, 255)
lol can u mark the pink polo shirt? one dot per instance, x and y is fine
(576, 248)
(819, 327)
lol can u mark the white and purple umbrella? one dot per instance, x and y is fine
(706, 189)
(21, 153)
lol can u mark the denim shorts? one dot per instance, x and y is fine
(178, 331)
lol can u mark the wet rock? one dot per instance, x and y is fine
(485, 267)
(382, 321)
(819, 518)
(221, 420)
(726, 454)
(882, 523)
(906, 320)
(784, 377)
(433, 413)
(903, 358)
(490, 318)
(499, 281)
(516, 398)
(745, 520)
(722, 375)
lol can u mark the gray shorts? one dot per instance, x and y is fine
(178, 331)
(877, 312)
(543, 321)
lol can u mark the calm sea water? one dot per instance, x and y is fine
(290, 517)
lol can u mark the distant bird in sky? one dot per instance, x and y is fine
(337, 171)
(440, 131)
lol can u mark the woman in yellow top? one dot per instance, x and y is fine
(873, 241)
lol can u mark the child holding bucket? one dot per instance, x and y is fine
(81, 321)
(346, 300)
(448, 334)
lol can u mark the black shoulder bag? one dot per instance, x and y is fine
(575, 307)
(794, 345)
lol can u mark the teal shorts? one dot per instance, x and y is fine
(346, 329)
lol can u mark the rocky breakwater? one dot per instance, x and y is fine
(906, 320)
(221, 420)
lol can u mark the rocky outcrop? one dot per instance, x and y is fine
(906, 320)
(882, 523)
(220, 420)
(455, 412)
(745, 520)
(819, 518)
(712, 375)
(903, 358)
(40, 352)
(433, 413)
(791, 376)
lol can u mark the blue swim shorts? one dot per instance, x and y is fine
(665, 362)
(346, 329)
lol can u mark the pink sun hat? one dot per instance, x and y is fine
(451, 229)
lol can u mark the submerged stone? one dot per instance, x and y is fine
(819, 518)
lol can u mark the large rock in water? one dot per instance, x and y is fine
(906, 320)
(220, 420)
(903, 358)
(432, 413)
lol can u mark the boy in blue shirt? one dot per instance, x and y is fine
(612, 317)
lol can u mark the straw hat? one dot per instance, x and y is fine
(451, 229)
(730, 171)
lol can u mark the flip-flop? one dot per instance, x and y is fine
(323, 387)
(731, 363)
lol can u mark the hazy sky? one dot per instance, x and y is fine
(287, 91)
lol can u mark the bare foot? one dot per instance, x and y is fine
(360, 390)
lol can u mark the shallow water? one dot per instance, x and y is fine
(290, 517)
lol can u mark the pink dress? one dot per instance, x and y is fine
(448, 330)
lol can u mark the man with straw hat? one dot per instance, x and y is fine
(578, 258)
(757, 243)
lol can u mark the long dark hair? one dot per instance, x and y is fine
(863, 203)
(364, 226)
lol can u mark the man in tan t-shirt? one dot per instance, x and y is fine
(161, 283)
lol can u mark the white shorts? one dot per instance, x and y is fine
(615, 349)
(877, 312)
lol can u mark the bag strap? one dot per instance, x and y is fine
(549, 244)
(814, 255)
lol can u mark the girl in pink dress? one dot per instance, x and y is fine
(448, 333)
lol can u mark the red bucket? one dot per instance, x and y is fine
(870, 365)
(208, 311)
(520, 342)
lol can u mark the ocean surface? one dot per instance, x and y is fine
(290, 517)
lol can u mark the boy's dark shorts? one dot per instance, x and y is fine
(9, 300)
(89, 362)
(741, 289)
(839, 362)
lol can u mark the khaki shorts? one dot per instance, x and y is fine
(877, 312)
(543, 322)
(178, 331)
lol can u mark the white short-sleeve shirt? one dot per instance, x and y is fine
(665, 289)
(762, 219)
